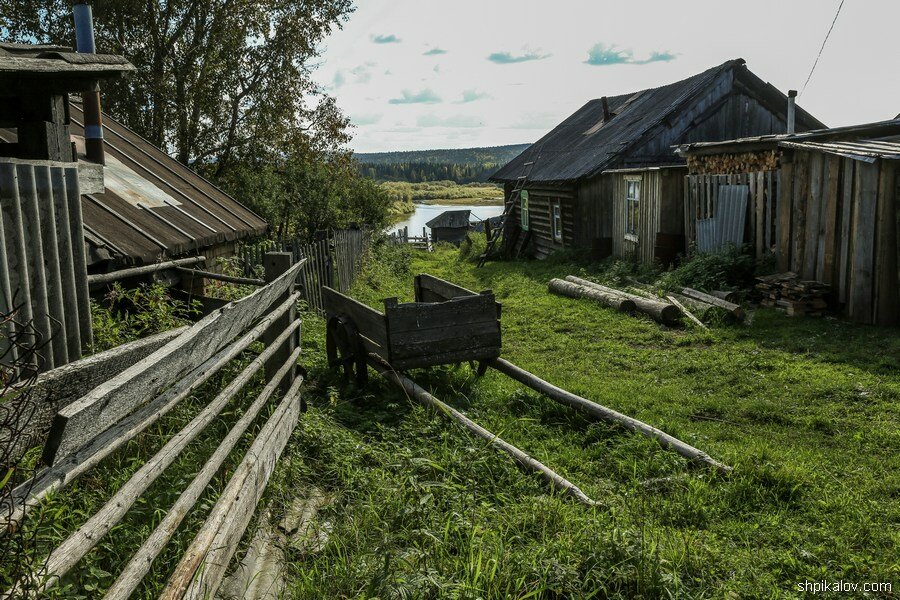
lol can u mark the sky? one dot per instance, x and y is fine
(424, 74)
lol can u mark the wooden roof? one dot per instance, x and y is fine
(50, 62)
(452, 219)
(586, 144)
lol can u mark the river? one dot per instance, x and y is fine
(425, 212)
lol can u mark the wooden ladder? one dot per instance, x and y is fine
(514, 196)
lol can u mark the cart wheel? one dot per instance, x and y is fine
(345, 349)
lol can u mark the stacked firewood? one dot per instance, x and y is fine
(745, 162)
(795, 296)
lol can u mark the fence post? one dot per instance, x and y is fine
(275, 265)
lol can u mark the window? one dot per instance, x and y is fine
(523, 209)
(556, 221)
(632, 207)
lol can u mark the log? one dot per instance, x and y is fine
(31, 492)
(145, 270)
(521, 458)
(723, 295)
(607, 414)
(215, 543)
(574, 290)
(697, 306)
(661, 311)
(73, 549)
(687, 313)
(731, 307)
(141, 562)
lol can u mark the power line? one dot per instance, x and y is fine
(825, 41)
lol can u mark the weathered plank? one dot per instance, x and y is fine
(73, 549)
(812, 204)
(215, 543)
(369, 321)
(98, 410)
(847, 181)
(64, 472)
(433, 289)
(59, 387)
(443, 358)
(783, 219)
(140, 563)
(887, 296)
(863, 243)
(219, 277)
(734, 309)
(414, 315)
(825, 272)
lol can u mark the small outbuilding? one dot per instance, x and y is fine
(450, 226)
(824, 204)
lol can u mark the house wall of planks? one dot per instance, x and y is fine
(828, 218)
(43, 274)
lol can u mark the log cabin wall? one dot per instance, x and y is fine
(541, 200)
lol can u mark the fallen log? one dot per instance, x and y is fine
(731, 307)
(727, 296)
(145, 270)
(574, 290)
(686, 312)
(524, 460)
(659, 310)
(607, 414)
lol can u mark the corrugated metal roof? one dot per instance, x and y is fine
(865, 150)
(583, 144)
(451, 219)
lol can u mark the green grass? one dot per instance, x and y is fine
(804, 409)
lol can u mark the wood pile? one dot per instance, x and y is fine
(744, 162)
(794, 296)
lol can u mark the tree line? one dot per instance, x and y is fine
(225, 86)
(422, 172)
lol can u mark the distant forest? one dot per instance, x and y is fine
(463, 165)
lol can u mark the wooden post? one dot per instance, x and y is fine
(275, 265)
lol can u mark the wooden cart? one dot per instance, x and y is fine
(446, 324)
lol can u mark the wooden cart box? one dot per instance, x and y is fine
(446, 324)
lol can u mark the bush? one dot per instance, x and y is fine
(128, 315)
(729, 269)
(471, 248)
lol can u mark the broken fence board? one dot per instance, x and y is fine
(109, 402)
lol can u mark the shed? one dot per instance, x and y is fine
(829, 210)
(450, 226)
(606, 178)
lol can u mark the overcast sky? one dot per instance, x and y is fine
(419, 74)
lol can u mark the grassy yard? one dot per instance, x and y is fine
(805, 410)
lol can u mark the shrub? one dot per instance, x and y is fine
(731, 268)
(472, 247)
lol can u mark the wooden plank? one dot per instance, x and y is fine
(863, 243)
(89, 416)
(72, 550)
(887, 298)
(825, 271)
(752, 223)
(369, 321)
(801, 199)
(442, 288)
(140, 563)
(770, 200)
(847, 181)
(760, 202)
(50, 242)
(414, 315)
(734, 309)
(215, 543)
(465, 339)
(785, 212)
(219, 277)
(37, 276)
(66, 259)
(813, 210)
(444, 358)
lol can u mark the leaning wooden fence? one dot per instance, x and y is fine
(104, 419)
(333, 261)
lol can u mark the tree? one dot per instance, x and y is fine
(217, 80)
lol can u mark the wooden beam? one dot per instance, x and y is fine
(109, 402)
(145, 270)
(215, 543)
(687, 313)
(219, 277)
(607, 414)
(734, 309)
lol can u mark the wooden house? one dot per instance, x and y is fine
(824, 203)
(450, 226)
(607, 177)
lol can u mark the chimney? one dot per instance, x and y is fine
(792, 111)
(605, 108)
(93, 124)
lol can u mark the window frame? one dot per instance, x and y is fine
(524, 217)
(556, 224)
(632, 233)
